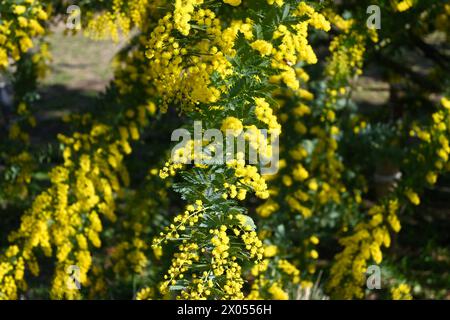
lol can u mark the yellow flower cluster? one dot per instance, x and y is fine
(248, 176)
(277, 2)
(282, 274)
(265, 114)
(188, 50)
(367, 238)
(413, 197)
(270, 251)
(222, 264)
(170, 168)
(145, 294)
(277, 292)
(299, 173)
(267, 208)
(19, 27)
(220, 241)
(124, 15)
(189, 218)
(19, 24)
(295, 205)
(294, 47)
(184, 10)
(182, 14)
(437, 134)
(187, 255)
(346, 60)
(265, 48)
(233, 191)
(64, 220)
(230, 33)
(258, 141)
(339, 21)
(401, 292)
(232, 125)
(130, 255)
(347, 273)
(19, 187)
(434, 136)
(402, 5)
(308, 184)
(253, 244)
(232, 2)
(290, 270)
(178, 75)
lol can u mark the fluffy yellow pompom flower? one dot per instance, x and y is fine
(232, 125)
(232, 2)
(445, 103)
(314, 240)
(145, 294)
(270, 251)
(277, 2)
(312, 185)
(3, 58)
(314, 254)
(300, 173)
(401, 292)
(25, 44)
(42, 15)
(37, 28)
(404, 5)
(23, 22)
(265, 114)
(264, 47)
(431, 178)
(413, 197)
(19, 9)
(277, 292)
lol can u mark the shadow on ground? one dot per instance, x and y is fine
(56, 102)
